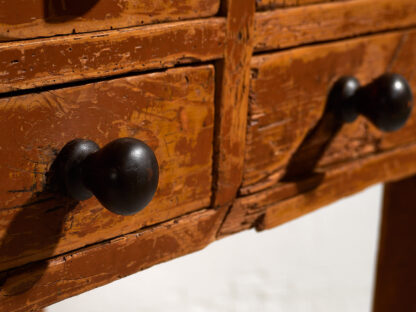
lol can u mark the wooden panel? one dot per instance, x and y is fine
(35, 63)
(396, 270)
(288, 96)
(21, 19)
(275, 4)
(287, 201)
(42, 284)
(172, 111)
(295, 26)
(233, 74)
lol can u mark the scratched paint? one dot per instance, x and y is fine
(35, 63)
(329, 21)
(41, 18)
(263, 5)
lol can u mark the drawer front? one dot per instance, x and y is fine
(21, 19)
(172, 111)
(49, 61)
(295, 26)
(288, 97)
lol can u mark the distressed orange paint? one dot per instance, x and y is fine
(329, 21)
(21, 19)
(40, 62)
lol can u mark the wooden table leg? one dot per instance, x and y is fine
(395, 288)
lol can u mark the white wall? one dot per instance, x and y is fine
(321, 262)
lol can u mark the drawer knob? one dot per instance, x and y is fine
(123, 175)
(386, 102)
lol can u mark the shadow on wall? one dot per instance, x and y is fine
(60, 11)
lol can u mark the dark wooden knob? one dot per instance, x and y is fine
(387, 101)
(123, 175)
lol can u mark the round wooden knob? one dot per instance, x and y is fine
(387, 101)
(123, 175)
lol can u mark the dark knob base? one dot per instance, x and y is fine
(341, 99)
(123, 175)
(68, 169)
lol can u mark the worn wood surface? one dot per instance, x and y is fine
(35, 286)
(233, 74)
(322, 22)
(42, 62)
(396, 271)
(285, 202)
(263, 5)
(288, 96)
(171, 111)
(21, 19)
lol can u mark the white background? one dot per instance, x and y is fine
(324, 261)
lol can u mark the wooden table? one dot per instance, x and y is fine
(232, 96)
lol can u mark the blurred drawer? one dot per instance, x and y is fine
(20, 19)
(288, 96)
(172, 111)
(282, 28)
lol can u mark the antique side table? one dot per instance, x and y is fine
(133, 132)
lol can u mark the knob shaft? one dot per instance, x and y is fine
(123, 175)
(387, 101)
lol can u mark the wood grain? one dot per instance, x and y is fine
(20, 19)
(85, 269)
(288, 96)
(396, 271)
(233, 74)
(263, 5)
(42, 62)
(300, 25)
(285, 202)
(171, 111)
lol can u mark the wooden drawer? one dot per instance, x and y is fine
(48, 61)
(288, 131)
(21, 19)
(295, 26)
(288, 95)
(172, 111)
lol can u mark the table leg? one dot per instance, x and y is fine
(395, 287)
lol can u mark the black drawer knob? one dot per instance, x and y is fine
(123, 175)
(387, 101)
